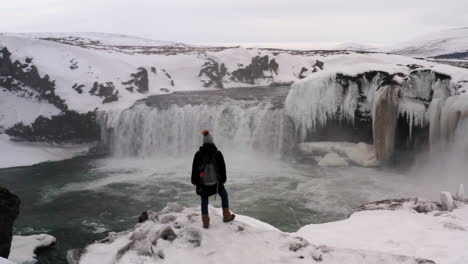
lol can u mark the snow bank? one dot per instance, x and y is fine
(5, 261)
(433, 44)
(437, 235)
(15, 109)
(177, 237)
(15, 154)
(361, 154)
(23, 247)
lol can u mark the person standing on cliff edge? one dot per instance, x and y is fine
(209, 177)
(9, 210)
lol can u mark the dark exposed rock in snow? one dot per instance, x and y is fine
(215, 73)
(73, 64)
(69, 126)
(15, 76)
(9, 210)
(78, 88)
(140, 80)
(256, 70)
(105, 90)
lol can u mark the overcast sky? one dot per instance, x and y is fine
(285, 23)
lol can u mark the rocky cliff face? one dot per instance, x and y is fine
(9, 210)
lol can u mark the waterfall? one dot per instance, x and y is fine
(385, 116)
(236, 125)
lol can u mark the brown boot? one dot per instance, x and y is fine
(206, 220)
(227, 216)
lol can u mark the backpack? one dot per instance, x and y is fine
(208, 173)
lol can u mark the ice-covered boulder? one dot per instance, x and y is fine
(181, 239)
(332, 160)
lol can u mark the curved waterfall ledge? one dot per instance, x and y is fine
(239, 119)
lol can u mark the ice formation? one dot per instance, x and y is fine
(461, 193)
(423, 97)
(446, 201)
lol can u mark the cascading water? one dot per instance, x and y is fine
(174, 128)
(385, 115)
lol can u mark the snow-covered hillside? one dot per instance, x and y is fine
(447, 44)
(357, 47)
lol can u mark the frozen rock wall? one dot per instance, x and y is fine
(424, 98)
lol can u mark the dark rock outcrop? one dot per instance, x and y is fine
(69, 126)
(105, 90)
(9, 210)
(140, 80)
(14, 76)
(78, 88)
(255, 70)
(318, 66)
(215, 73)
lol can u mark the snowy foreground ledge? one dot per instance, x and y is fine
(394, 231)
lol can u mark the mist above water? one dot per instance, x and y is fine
(445, 167)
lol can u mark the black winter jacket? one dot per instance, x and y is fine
(208, 150)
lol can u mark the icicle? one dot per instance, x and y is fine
(446, 201)
(461, 193)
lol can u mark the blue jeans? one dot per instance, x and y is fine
(224, 201)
